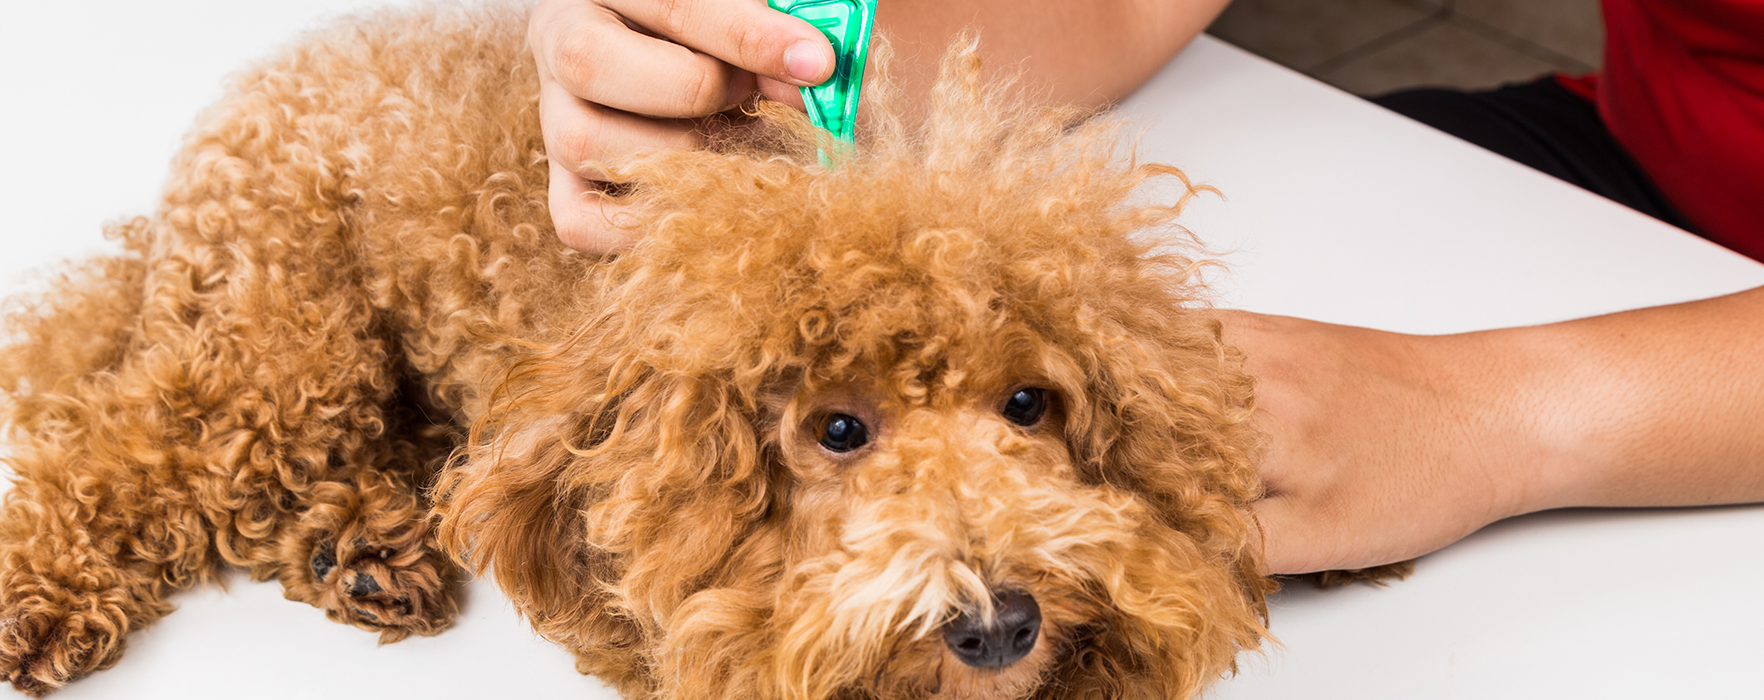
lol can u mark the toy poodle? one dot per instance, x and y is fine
(944, 419)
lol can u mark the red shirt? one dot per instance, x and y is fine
(1683, 91)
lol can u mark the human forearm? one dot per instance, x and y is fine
(1087, 53)
(1653, 407)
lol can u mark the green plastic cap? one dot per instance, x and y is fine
(832, 105)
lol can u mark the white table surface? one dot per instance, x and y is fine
(1334, 210)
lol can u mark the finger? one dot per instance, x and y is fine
(579, 134)
(1287, 547)
(744, 33)
(594, 55)
(784, 93)
(585, 219)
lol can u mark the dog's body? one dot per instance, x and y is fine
(929, 424)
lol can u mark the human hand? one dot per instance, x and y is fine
(1383, 446)
(621, 76)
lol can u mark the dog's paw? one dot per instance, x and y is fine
(44, 646)
(396, 592)
(1377, 575)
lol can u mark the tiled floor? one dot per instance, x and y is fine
(1370, 47)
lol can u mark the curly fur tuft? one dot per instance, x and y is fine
(353, 263)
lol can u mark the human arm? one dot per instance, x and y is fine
(1385, 446)
(617, 76)
(1088, 53)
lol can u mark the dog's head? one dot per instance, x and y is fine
(936, 423)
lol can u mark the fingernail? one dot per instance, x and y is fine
(805, 62)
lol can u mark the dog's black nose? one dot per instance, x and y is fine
(1016, 623)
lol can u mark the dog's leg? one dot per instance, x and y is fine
(131, 479)
(70, 588)
(98, 526)
(312, 452)
(313, 461)
(249, 412)
(363, 549)
(311, 472)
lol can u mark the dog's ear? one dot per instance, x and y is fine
(506, 506)
(605, 485)
(1165, 415)
(679, 475)
(1158, 407)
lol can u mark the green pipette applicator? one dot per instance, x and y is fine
(832, 105)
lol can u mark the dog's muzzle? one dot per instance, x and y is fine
(1016, 624)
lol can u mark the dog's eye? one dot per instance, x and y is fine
(843, 433)
(1026, 406)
